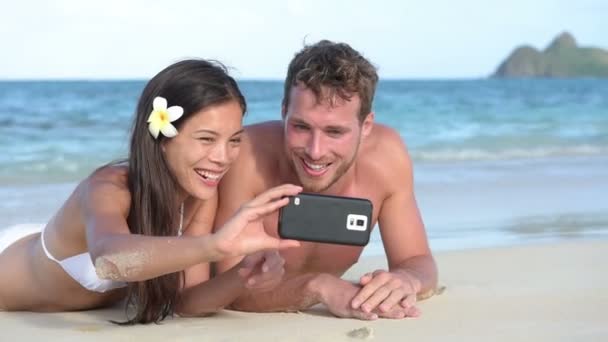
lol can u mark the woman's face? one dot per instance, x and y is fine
(206, 145)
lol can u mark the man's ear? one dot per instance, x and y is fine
(367, 125)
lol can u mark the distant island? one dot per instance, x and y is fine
(561, 59)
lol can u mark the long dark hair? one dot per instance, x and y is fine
(193, 85)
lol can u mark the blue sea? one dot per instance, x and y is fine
(497, 162)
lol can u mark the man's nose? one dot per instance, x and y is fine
(315, 148)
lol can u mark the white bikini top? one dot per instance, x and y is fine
(80, 267)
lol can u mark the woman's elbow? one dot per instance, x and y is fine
(118, 267)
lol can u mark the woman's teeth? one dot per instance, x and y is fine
(209, 175)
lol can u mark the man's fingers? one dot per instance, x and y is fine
(264, 280)
(249, 263)
(413, 312)
(391, 301)
(245, 271)
(366, 292)
(375, 299)
(396, 313)
(409, 301)
(272, 261)
(367, 316)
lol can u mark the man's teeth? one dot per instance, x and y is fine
(209, 175)
(316, 166)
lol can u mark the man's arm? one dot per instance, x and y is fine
(412, 270)
(300, 292)
(293, 294)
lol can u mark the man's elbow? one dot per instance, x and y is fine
(247, 305)
(185, 310)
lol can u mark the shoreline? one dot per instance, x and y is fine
(543, 292)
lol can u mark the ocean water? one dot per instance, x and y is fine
(497, 162)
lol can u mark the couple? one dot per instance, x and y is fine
(198, 189)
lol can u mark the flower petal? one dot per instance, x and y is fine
(175, 112)
(168, 130)
(153, 116)
(154, 128)
(160, 103)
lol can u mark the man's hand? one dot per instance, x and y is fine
(337, 295)
(262, 270)
(385, 292)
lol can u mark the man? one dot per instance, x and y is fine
(328, 143)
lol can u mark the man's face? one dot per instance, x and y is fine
(322, 139)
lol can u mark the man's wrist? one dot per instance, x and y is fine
(411, 279)
(316, 287)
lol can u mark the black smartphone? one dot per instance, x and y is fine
(328, 219)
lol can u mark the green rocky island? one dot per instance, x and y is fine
(563, 58)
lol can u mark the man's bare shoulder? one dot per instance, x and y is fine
(258, 157)
(264, 137)
(385, 155)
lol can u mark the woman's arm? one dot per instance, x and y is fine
(120, 255)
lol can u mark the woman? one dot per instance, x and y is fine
(143, 227)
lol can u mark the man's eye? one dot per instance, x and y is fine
(300, 127)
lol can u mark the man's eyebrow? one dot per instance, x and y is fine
(337, 128)
(298, 120)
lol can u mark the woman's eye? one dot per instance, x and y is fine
(206, 139)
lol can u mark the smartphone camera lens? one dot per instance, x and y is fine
(360, 223)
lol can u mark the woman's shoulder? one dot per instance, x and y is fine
(111, 178)
(113, 173)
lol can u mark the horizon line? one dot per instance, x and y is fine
(245, 79)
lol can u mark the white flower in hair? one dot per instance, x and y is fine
(161, 118)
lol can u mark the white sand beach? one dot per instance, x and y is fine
(551, 292)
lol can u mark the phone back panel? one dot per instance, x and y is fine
(329, 219)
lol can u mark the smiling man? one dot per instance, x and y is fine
(328, 143)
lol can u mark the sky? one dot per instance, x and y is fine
(421, 39)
